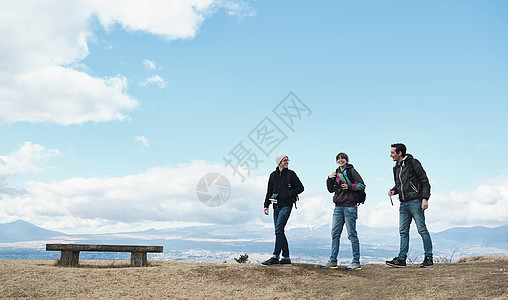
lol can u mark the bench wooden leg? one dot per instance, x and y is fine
(69, 258)
(138, 259)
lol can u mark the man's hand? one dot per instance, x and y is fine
(344, 186)
(266, 211)
(391, 193)
(425, 204)
(333, 175)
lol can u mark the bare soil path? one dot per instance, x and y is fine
(483, 277)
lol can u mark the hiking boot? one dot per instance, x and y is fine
(396, 262)
(285, 261)
(354, 267)
(329, 265)
(427, 262)
(272, 261)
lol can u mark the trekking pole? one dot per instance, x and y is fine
(391, 200)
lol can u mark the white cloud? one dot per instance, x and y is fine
(28, 158)
(155, 80)
(161, 194)
(382, 215)
(43, 42)
(65, 96)
(241, 9)
(149, 65)
(39, 41)
(143, 140)
(313, 211)
(487, 205)
(167, 195)
(170, 19)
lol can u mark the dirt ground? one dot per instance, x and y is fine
(484, 277)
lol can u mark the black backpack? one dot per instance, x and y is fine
(289, 187)
(360, 195)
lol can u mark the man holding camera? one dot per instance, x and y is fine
(283, 189)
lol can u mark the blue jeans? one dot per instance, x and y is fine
(280, 219)
(347, 215)
(408, 211)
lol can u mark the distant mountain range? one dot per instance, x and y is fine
(22, 231)
(478, 235)
(218, 243)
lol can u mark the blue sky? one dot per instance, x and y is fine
(109, 122)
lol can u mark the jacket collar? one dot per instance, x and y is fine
(278, 172)
(407, 158)
(348, 166)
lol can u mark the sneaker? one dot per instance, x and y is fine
(427, 262)
(329, 265)
(354, 267)
(396, 262)
(270, 262)
(285, 261)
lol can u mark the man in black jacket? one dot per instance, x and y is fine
(283, 188)
(413, 188)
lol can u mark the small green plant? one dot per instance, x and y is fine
(243, 259)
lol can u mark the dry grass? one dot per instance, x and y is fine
(472, 278)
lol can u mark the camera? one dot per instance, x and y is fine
(273, 198)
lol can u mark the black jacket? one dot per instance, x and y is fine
(411, 181)
(278, 183)
(346, 198)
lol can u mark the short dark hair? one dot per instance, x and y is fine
(399, 147)
(342, 155)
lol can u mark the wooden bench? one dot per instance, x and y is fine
(70, 252)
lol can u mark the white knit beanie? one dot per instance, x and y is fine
(279, 158)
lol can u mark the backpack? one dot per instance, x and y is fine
(289, 187)
(360, 195)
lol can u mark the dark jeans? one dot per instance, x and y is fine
(280, 219)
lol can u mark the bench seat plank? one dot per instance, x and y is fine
(70, 252)
(102, 248)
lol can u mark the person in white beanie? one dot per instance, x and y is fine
(283, 189)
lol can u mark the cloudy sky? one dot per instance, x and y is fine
(113, 112)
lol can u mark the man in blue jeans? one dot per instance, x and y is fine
(413, 188)
(283, 189)
(345, 183)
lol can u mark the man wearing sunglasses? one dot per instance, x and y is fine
(282, 192)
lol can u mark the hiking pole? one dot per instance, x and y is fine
(391, 199)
